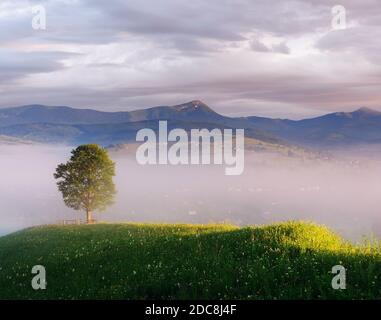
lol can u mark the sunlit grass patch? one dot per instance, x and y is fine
(290, 260)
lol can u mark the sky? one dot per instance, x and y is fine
(276, 58)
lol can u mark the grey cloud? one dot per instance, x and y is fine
(224, 20)
(15, 65)
(258, 46)
(281, 48)
(174, 29)
(362, 40)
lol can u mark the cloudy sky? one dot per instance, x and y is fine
(276, 58)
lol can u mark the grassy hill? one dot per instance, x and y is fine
(142, 261)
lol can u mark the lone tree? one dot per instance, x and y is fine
(86, 179)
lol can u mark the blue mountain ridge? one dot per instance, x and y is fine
(61, 124)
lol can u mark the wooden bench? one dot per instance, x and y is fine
(77, 221)
(74, 221)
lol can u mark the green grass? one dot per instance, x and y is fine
(140, 261)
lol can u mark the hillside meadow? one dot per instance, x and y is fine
(291, 260)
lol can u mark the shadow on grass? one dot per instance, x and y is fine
(284, 261)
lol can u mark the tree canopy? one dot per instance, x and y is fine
(86, 180)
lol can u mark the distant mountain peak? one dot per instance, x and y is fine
(366, 110)
(194, 105)
(359, 113)
(198, 103)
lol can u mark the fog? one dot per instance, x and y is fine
(344, 193)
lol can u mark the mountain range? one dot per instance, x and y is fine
(76, 126)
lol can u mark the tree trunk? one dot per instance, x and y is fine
(89, 217)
